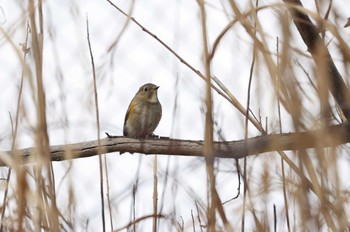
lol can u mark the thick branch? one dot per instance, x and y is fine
(328, 137)
(314, 43)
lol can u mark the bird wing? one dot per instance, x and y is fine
(131, 108)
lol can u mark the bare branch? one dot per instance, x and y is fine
(327, 137)
(313, 41)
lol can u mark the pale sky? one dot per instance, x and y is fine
(138, 59)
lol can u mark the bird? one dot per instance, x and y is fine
(144, 113)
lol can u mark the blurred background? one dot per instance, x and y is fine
(126, 57)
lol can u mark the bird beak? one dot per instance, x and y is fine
(156, 88)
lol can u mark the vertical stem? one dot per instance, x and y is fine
(98, 127)
(245, 186)
(42, 139)
(20, 175)
(208, 137)
(155, 193)
(280, 126)
(108, 194)
(274, 218)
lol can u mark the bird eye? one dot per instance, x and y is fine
(145, 89)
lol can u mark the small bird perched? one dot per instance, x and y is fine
(144, 113)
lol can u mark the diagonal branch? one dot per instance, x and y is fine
(327, 137)
(313, 41)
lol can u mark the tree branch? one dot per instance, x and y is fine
(313, 41)
(328, 137)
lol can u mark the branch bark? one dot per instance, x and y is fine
(327, 137)
(314, 43)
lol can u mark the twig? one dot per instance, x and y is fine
(208, 134)
(139, 220)
(230, 98)
(108, 193)
(245, 186)
(199, 217)
(98, 126)
(239, 183)
(121, 33)
(193, 223)
(155, 193)
(134, 191)
(21, 205)
(280, 129)
(274, 218)
(47, 215)
(165, 183)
